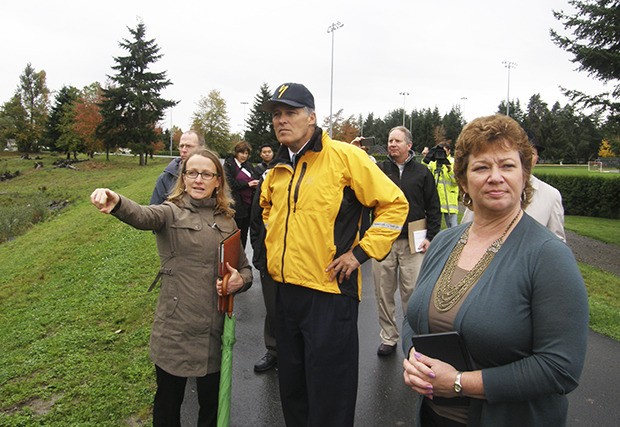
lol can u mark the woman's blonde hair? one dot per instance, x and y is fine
(224, 201)
(485, 132)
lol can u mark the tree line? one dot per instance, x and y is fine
(128, 111)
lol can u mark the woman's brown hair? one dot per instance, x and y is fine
(492, 131)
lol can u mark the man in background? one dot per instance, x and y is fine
(259, 260)
(399, 270)
(189, 141)
(266, 155)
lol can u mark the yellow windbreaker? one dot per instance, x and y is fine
(312, 212)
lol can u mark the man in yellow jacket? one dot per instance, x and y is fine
(442, 168)
(312, 200)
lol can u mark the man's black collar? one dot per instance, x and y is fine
(315, 144)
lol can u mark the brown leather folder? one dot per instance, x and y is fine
(228, 253)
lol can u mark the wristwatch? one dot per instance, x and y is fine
(458, 388)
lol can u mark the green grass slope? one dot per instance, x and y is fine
(74, 312)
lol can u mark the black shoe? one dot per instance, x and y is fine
(386, 349)
(266, 363)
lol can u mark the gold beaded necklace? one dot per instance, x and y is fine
(448, 294)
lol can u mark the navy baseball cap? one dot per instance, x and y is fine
(293, 94)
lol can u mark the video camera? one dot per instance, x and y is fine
(437, 154)
(367, 141)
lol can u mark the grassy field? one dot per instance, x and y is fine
(603, 229)
(75, 316)
(573, 170)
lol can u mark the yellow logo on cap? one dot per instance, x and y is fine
(281, 91)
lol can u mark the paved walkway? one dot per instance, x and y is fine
(605, 256)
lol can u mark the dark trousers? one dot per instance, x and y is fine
(244, 226)
(318, 356)
(169, 397)
(269, 296)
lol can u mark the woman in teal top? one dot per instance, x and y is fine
(508, 286)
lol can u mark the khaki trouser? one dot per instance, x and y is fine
(399, 270)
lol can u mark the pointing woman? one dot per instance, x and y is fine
(187, 330)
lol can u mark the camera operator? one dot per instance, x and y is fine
(440, 163)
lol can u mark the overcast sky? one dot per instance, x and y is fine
(439, 52)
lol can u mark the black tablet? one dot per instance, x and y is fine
(448, 347)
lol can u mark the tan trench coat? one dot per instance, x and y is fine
(187, 330)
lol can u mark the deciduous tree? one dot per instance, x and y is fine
(12, 119)
(342, 129)
(34, 97)
(211, 118)
(605, 149)
(87, 118)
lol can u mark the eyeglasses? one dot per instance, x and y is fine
(206, 176)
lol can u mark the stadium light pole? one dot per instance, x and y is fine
(404, 94)
(244, 103)
(509, 65)
(331, 29)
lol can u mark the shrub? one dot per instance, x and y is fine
(587, 195)
(17, 214)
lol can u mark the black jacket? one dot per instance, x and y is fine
(419, 187)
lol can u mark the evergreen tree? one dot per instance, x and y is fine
(259, 126)
(453, 123)
(69, 140)
(212, 120)
(515, 111)
(132, 104)
(558, 135)
(536, 110)
(66, 96)
(595, 44)
(424, 124)
(588, 138)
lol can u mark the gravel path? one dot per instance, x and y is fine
(605, 256)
